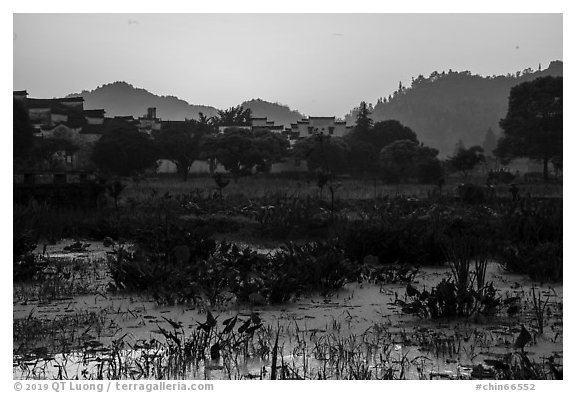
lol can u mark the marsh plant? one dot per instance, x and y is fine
(532, 239)
(465, 293)
(539, 308)
(177, 266)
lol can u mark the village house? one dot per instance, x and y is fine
(149, 122)
(319, 125)
(66, 118)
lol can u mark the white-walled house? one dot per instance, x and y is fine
(319, 125)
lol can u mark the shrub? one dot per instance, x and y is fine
(408, 240)
(24, 263)
(178, 266)
(531, 239)
(465, 293)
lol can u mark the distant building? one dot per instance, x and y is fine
(66, 118)
(149, 122)
(319, 125)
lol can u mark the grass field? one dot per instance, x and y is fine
(255, 187)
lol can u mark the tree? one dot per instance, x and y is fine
(124, 152)
(490, 142)
(234, 116)
(466, 159)
(363, 156)
(533, 125)
(403, 159)
(365, 145)
(428, 168)
(180, 144)
(398, 160)
(459, 147)
(386, 132)
(241, 151)
(323, 152)
(363, 120)
(269, 147)
(23, 134)
(206, 125)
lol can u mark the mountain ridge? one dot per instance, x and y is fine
(451, 106)
(441, 109)
(121, 98)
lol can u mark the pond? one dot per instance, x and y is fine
(85, 331)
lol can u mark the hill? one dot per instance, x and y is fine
(451, 106)
(121, 98)
(281, 114)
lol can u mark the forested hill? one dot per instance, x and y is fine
(446, 107)
(121, 98)
(281, 114)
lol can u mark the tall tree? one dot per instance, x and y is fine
(234, 116)
(490, 142)
(363, 120)
(466, 159)
(398, 160)
(385, 132)
(365, 145)
(180, 143)
(533, 125)
(403, 159)
(458, 147)
(124, 152)
(363, 156)
(269, 147)
(206, 124)
(241, 151)
(323, 152)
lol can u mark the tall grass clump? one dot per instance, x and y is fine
(465, 293)
(531, 233)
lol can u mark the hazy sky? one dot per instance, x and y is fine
(320, 64)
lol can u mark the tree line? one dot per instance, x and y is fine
(447, 106)
(386, 150)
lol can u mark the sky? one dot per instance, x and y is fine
(319, 64)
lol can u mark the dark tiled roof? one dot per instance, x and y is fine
(110, 124)
(168, 124)
(54, 104)
(40, 103)
(323, 117)
(94, 112)
(125, 118)
(267, 127)
(70, 99)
